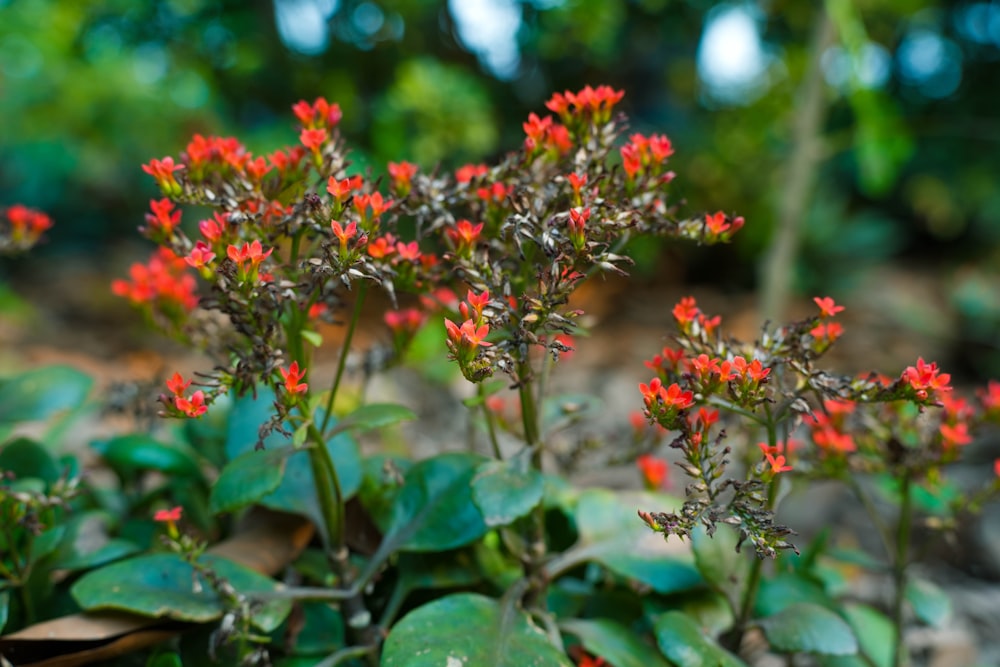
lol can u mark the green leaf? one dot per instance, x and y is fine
(931, 604)
(88, 545)
(372, 416)
(322, 630)
(129, 453)
(40, 393)
(717, 559)
(809, 628)
(312, 337)
(248, 478)
(618, 645)
(4, 608)
(469, 629)
(434, 509)
(613, 535)
(165, 586)
(875, 634)
(507, 490)
(681, 640)
(297, 491)
(27, 459)
(434, 570)
(165, 660)
(787, 588)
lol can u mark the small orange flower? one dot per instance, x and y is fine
(291, 376)
(655, 471)
(172, 514)
(827, 307)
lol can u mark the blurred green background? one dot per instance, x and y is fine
(867, 130)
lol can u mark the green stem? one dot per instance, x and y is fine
(344, 350)
(490, 425)
(328, 492)
(534, 566)
(899, 564)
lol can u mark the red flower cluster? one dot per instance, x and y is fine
(925, 380)
(402, 174)
(545, 135)
(720, 227)
(663, 404)
(596, 103)
(690, 319)
(162, 284)
(23, 225)
(647, 155)
(318, 115)
(188, 406)
(829, 429)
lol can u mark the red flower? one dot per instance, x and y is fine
(717, 223)
(654, 471)
(996, 467)
(163, 219)
(162, 284)
(250, 252)
(404, 321)
(827, 307)
(344, 234)
(200, 255)
(170, 515)
(177, 384)
(375, 201)
(163, 171)
(468, 335)
(953, 436)
(827, 332)
(466, 173)
(192, 407)
(343, 188)
(777, 462)
(313, 139)
(685, 312)
(382, 247)
(402, 174)
(292, 376)
(213, 229)
(464, 235)
(496, 192)
(257, 169)
(926, 379)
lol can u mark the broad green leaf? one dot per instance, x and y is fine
(434, 570)
(296, 492)
(322, 630)
(87, 543)
(434, 509)
(372, 416)
(170, 659)
(381, 483)
(165, 586)
(875, 635)
(40, 393)
(4, 608)
(249, 477)
(507, 490)
(618, 645)
(709, 609)
(129, 453)
(787, 588)
(469, 629)
(717, 559)
(682, 641)
(809, 628)
(931, 604)
(28, 459)
(612, 534)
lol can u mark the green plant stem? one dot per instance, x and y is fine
(873, 515)
(534, 566)
(328, 492)
(900, 562)
(490, 425)
(345, 654)
(344, 351)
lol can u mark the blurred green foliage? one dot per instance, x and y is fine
(91, 90)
